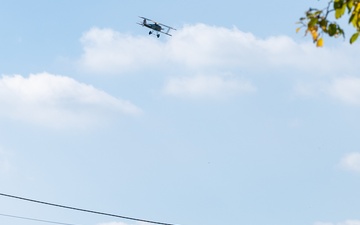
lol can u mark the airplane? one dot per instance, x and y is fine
(155, 26)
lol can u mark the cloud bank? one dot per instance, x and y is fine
(57, 101)
(196, 58)
(201, 86)
(202, 46)
(344, 89)
(109, 52)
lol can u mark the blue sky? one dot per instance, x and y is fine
(235, 119)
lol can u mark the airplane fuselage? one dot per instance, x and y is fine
(153, 26)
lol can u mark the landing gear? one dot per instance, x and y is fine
(157, 35)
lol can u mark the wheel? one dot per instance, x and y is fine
(158, 35)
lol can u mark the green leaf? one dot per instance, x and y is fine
(354, 19)
(351, 18)
(354, 37)
(338, 4)
(332, 29)
(341, 31)
(312, 22)
(323, 24)
(350, 5)
(339, 12)
(318, 13)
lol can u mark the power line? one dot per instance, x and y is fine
(86, 210)
(37, 220)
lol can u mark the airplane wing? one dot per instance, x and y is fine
(167, 33)
(170, 28)
(166, 29)
(148, 19)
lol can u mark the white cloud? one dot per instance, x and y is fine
(206, 86)
(57, 101)
(351, 162)
(202, 46)
(343, 89)
(347, 222)
(109, 52)
(212, 51)
(346, 89)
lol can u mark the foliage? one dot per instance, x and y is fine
(317, 23)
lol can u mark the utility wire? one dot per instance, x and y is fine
(86, 210)
(37, 220)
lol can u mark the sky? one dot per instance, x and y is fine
(235, 119)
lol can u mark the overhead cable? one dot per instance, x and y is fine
(86, 210)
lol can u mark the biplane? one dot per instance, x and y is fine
(155, 26)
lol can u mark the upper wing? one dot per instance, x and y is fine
(161, 24)
(147, 19)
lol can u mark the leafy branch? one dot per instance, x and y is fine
(316, 21)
